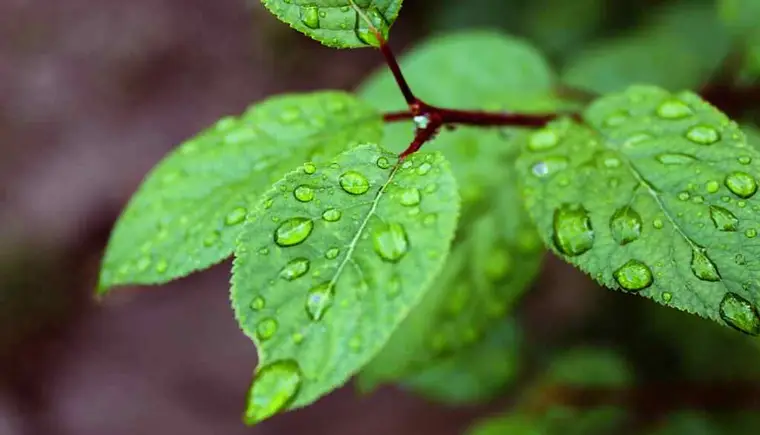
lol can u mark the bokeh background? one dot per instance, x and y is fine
(94, 92)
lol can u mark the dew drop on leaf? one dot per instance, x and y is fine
(573, 234)
(258, 303)
(310, 16)
(543, 140)
(309, 168)
(703, 135)
(740, 314)
(390, 242)
(750, 233)
(745, 160)
(266, 329)
(410, 197)
(667, 296)
(674, 109)
(703, 267)
(211, 238)
(723, 219)
(633, 276)
(675, 159)
(354, 183)
(549, 166)
(332, 253)
(332, 215)
(275, 386)
(319, 300)
(161, 266)
(383, 163)
(293, 231)
(424, 168)
(365, 34)
(295, 269)
(143, 264)
(625, 225)
(236, 216)
(741, 184)
(303, 193)
(393, 287)
(712, 186)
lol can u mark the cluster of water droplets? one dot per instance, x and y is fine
(344, 18)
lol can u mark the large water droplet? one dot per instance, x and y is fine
(319, 300)
(703, 135)
(275, 386)
(363, 31)
(625, 225)
(675, 159)
(723, 219)
(543, 140)
(674, 109)
(354, 183)
(390, 241)
(410, 197)
(633, 276)
(266, 329)
(573, 233)
(741, 184)
(549, 166)
(293, 231)
(303, 193)
(332, 215)
(310, 16)
(740, 314)
(236, 216)
(703, 267)
(295, 269)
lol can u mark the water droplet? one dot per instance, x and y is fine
(573, 234)
(703, 135)
(266, 329)
(295, 269)
(636, 139)
(310, 16)
(424, 168)
(740, 260)
(268, 204)
(611, 162)
(332, 215)
(616, 119)
(702, 267)
(309, 168)
(674, 109)
(332, 253)
(161, 266)
(549, 166)
(211, 238)
(712, 186)
(393, 287)
(745, 160)
(355, 343)
(741, 184)
(633, 276)
(236, 216)
(319, 300)
(667, 296)
(723, 219)
(740, 314)
(543, 140)
(258, 303)
(390, 242)
(675, 159)
(143, 264)
(275, 386)
(293, 231)
(289, 116)
(658, 224)
(303, 193)
(383, 163)
(625, 225)
(297, 338)
(750, 233)
(684, 196)
(354, 183)
(429, 220)
(421, 121)
(410, 197)
(363, 31)
(498, 264)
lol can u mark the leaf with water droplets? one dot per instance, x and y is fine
(679, 230)
(338, 23)
(339, 273)
(189, 210)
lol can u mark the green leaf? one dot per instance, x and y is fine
(590, 367)
(191, 207)
(741, 18)
(338, 23)
(321, 284)
(658, 199)
(558, 420)
(476, 373)
(680, 49)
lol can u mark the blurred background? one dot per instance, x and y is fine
(94, 92)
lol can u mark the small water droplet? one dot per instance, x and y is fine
(740, 314)
(354, 183)
(236, 216)
(293, 231)
(295, 269)
(611, 162)
(703, 267)
(684, 196)
(275, 386)
(549, 166)
(332, 253)
(741, 184)
(636, 139)
(625, 225)
(658, 224)
(675, 159)
(297, 338)
(674, 109)
(363, 31)
(266, 329)
(310, 16)
(424, 168)
(667, 296)
(750, 233)
(161, 266)
(383, 163)
(390, 241)
(633, 276)
(745, 160)
(303, 193)
(616, 118)
(319, 300)
(712, 186)
(573, 233)
(332, 215)
(309, 168)
(268, 204)
(723, 219)
(543, 140)
(393, 287)
(290, 115)
(264, 251)
(143, 264)
(703, 135)
(410, 197)
(429, 220)
(258, 303)
(355, 343)
(740, 260)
